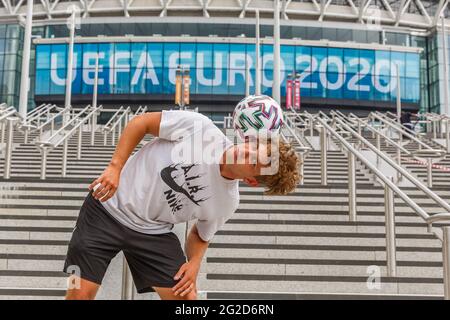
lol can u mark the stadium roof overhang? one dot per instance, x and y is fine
(416, 14)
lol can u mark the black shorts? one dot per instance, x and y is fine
(98, 237)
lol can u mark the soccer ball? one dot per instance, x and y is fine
(257, 115)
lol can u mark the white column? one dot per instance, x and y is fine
(247, 79)
(94, 96)
(399, 95)
(445, 108)
(68, 99)
(25, 76)
(257, 57)
(276, 53)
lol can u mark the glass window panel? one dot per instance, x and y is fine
(319, 54)
(335, 90)
(105, 51)
(221, 55)
(78, 56)
(267, 56)
(412, 65)
(43, 56)
(58, 59)
(155, 55)
(335, 54)
(204, 85)
(170, 49)
(2, 45)
(12, 46)
(58, 87)
(3, 31)
(42, 82)
(351, 87)
(121, 56)
(77, 82)
(351, 60)
(10, 62)
(288, 57)
(383, 62)
(302, 59)
(220, 87)
(168, 87)
(105, 81)
(122, 81)
(399, 59)
(188, 55)
(138, 55)
(13, 31)
(319, 91)
(155, 86)
(238, 56)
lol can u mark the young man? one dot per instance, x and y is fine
(191, 171)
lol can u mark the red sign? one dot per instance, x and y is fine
(297, 94)
(289, 94)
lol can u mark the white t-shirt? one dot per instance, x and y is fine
(176, 178)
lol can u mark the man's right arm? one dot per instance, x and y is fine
(134, 132)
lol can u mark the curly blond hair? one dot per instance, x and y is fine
(288, 175)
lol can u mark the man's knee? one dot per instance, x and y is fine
(83, 290)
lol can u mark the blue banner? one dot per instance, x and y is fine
(219, 68)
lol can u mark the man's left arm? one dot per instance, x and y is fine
(195, 250)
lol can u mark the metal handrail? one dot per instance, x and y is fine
(374, 169)
(398, 168)
(302, 146)
(111, 128)
(113, 117)
(48, 145)
(63, 128)
(32, 112)
(400, 130)
(11, 111)
(51, 120)
(37, 115)
(373, 130)
(120, 119)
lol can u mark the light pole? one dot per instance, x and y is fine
(25, 77)
(276, 53)
(446, 109)
(68, 98)
(257, 57)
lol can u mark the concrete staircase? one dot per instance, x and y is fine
(299, 246)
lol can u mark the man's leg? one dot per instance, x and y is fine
(83, 290)
(167, 294)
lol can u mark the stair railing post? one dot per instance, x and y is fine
(446, 261)
(430, 172)
(93, 128)
(127, 282)
(378, 147)
(352, 187)
(25, 139)
(64, 157)
(3, 130)
(391, 250)
(113, 137)
(302, 168)
(399, 162)
(80, 138)
(324, 155)
(44, 153)
(105, 136)
(11, 122)
(447, 135)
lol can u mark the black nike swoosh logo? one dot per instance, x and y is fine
(166, 176)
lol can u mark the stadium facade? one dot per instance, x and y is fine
(349, 54)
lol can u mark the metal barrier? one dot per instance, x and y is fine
(62, 136)
(116, 122)
(390, 190)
